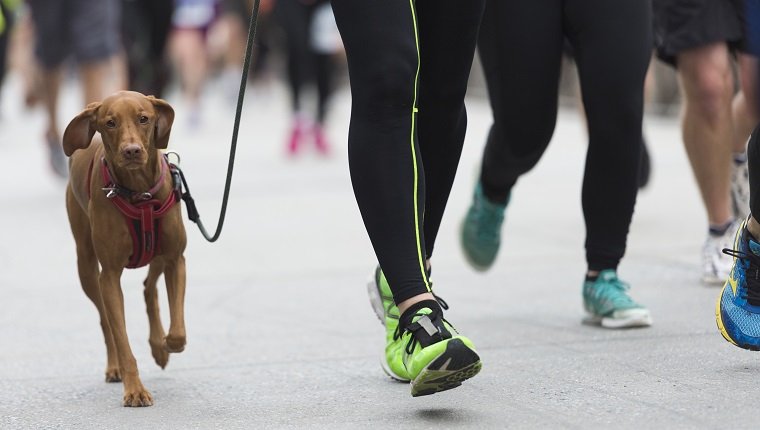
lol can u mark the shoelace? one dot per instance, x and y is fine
(439, 299)
(413, 341)
(752, 274)
(614, 292)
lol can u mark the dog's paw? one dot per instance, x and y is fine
(160, 354)
(137, 398)
(174, 343)
(113, 374)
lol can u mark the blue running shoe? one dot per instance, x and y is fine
(737, 310)
(481, 230)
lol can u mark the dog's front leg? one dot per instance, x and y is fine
(175, 287)
(135, 393)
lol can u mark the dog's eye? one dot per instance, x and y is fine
(143, 119)
(111, 123)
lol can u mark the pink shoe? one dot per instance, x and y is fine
(320, 140)
(297, 133)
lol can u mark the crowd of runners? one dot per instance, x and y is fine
(409, 64)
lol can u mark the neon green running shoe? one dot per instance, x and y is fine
(481, 230)
(435, 356)
(381, 298)
(608, 304)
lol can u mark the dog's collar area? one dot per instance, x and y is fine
(112, 189)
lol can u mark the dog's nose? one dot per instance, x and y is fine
(130, 152)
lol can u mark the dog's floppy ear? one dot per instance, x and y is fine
(80, 130)
(164, 121)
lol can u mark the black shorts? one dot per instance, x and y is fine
(87, 29)
(753, 26)
(680, 25)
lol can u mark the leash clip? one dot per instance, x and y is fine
(145, 196)
(174, 153)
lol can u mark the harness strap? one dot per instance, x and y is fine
(144, 217)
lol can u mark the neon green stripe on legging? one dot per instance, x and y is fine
(414, 153)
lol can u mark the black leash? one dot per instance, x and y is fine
(192, 211)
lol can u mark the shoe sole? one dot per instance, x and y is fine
(637, 322)
(455, 365)
(389, 372)
(722, 327)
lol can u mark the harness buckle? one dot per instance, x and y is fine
(110, 192)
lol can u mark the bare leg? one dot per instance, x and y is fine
(754, 227)
(189, 54)
(51, 84)
(705, 76)
(93, 80)
(746, 114)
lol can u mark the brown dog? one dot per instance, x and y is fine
(132, 128)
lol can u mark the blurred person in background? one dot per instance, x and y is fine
(145, 30)
(7, 19)
(311, 43)
(233, 25)
(188, 50)
(88, 30)
(409, 63)
(22, 57)
(700, 39)
(521, 47)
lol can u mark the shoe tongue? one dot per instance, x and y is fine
(422, 317)
(420, 313)
(754, 247)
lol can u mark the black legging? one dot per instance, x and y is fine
(145, 30)
(295, 17)
(521, 46)
(753, 164)
(388, 144)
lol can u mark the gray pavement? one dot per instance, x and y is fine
(281, 335)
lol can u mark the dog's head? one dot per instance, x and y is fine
(130, 124)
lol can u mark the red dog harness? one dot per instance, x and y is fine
(141, 211)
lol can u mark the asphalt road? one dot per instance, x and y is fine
(280, 332)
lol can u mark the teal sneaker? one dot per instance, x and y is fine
(481, 230)
(381, 298)
(435, 356)
(608, 304)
